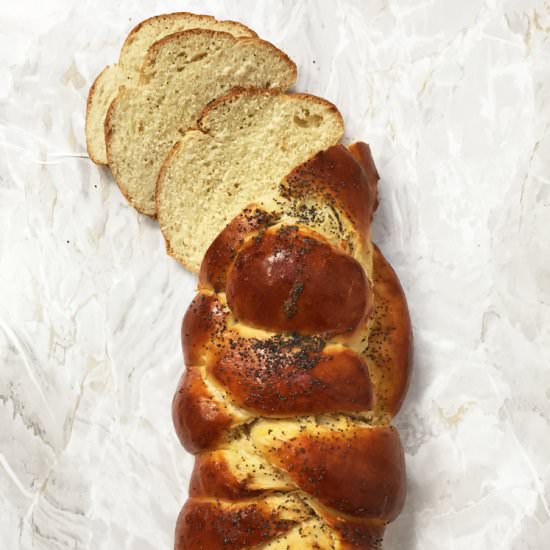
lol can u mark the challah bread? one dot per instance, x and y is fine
(244, 144)
(126, 71)
(297, 353)
(181, 74)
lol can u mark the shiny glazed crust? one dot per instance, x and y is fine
(297, 356)
(278, 282)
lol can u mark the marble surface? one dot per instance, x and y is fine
(454, 98)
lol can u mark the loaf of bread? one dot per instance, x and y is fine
(297, 345)
(244, 144)
(126, 72)
(297, 353)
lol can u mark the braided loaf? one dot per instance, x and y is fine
(297, 353)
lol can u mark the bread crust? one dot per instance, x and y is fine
(217, 260)
(176, 15)
(290, 293)
(199, 418)
(314, 380)
(212, 477)
(389, 352)
(359, 472)
(153, 51)
(336, 178)
(208, 524)
(251, 91)
(354, 534)
(204, 321)
(89, 100)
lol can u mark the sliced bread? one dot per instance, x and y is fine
(246, 142)
(180, 75)
(126, 71)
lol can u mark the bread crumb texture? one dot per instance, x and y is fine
(126, 71)
(246, 143)
(181, 74)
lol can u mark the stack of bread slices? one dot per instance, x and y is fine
(195, 122)
(297, 345)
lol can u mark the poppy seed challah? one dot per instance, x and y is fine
(297, 352)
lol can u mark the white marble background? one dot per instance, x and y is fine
(454, 97)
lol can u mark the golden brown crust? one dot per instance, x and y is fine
(88, 107)
(389, 353)
(356, 534)
(275, 376)
(289, 279)
(286, 376)
(153, 51)
(212, 525)
(362, 154)
(359, 472)
(337, 179)
(199, 418)
(222, 251)
(203, 323)
(213, 478)
(240, 91)
(175, 15)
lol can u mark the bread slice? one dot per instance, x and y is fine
(180, 75)
(245, 143)
(126, 71)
